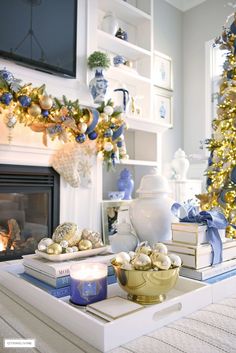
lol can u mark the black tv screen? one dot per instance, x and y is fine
(40, 34)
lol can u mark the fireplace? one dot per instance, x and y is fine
(29, 208)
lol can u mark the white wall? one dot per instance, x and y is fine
(168, 40)
(200, 24)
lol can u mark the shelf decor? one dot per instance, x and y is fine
(62, 119)
(163, 71)
(163, 107)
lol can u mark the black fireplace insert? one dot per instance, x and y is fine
(29, 208)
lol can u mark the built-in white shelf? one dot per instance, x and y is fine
(116, 45)
(143, 124)
(140, 163)
(124, 10)
(127, 76)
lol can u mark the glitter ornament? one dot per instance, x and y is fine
(67, 231)
(6, 98)
(108, 146)
(80, 138)
(24, 101)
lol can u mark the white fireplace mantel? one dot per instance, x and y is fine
(79, 205)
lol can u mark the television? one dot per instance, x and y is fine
(40, 34)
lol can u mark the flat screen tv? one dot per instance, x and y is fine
(40, 34)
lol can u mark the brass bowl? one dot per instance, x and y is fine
(147, 287)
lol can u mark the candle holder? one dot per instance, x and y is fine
(88, 283)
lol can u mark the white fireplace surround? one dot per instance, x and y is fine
(79, 205)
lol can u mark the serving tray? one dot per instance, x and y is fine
(186, 297)
(73, 255)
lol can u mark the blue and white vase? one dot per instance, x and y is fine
(98, 86)
(125, 183)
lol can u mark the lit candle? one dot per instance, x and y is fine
(88, 283)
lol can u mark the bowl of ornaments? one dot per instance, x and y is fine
(147, 274)
(69, 242)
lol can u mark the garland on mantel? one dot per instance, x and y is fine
(62, 119)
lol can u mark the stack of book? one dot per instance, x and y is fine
(54, 277)
(189, 241)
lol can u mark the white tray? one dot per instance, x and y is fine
(187, 296)
(73, 255)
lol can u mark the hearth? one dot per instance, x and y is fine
(29, 208)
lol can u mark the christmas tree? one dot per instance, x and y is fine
(221, 170)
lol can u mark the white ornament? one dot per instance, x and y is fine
(75, 248)
(83, 127)
(122, 257)
(108, 146)
(175, 260)
(44, 243)
(160, 248)
(64, 244)
(108, 110)
(69, 250)
(104, 117)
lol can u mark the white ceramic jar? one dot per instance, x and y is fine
(180, 164)
(151, 214)
(110, 23)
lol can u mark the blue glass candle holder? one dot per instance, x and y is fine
(88, 283)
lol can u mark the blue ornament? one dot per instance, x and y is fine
(112, 126)
(233, 175)
(45, 113)
(209, 181)
(119, 143)
(221, 198)
(6, 98)
(24, 101)
(6, 76)
(93, 135)
(108, 133)
(80, 138)
(230, 74)
(233, 28)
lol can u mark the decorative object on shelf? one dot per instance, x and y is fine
(147, 277)
(124, 239)
(98, 61)
(214, 220)
(135, 109)
(150, 213)
(220, 181)
(110, 23)
(121, 34)
(163, 109)
(180, 165)
(88, 283)
(163, 71)
(65, 120)
(122, 99)
(116, 195)
(125, 183)
(119, 60)
(67, 231)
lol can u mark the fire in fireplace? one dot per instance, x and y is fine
(29, 208)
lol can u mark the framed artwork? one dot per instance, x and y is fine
(163, 107)
(113, 212)
(163, 71)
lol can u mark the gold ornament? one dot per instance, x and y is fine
(85, 244)
(54, 249)
(142, 262)
(67, 231)
(230, 196)
(46, 102)
(34, 110)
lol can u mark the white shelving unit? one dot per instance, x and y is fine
(144, 135)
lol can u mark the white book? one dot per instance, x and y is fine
(60, 269)
(200, 256)
(113, 308)
(208, 272)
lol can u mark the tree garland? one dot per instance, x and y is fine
(62, 119)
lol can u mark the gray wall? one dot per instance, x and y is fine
(200, 24)
(168, 39)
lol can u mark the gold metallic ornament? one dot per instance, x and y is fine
(230, 196)
(34, 110)
(67, 231)
(85, 244)
(142, 262)
(54, 249)
(46, 102)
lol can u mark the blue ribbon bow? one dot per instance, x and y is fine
(213, 219)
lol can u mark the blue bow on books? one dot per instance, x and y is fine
(213, 219)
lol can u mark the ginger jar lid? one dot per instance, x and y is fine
(153, 184)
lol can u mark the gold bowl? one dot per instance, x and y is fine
(147, 287)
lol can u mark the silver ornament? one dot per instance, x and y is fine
(175, 260)
(142, 262)
(161, 248)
